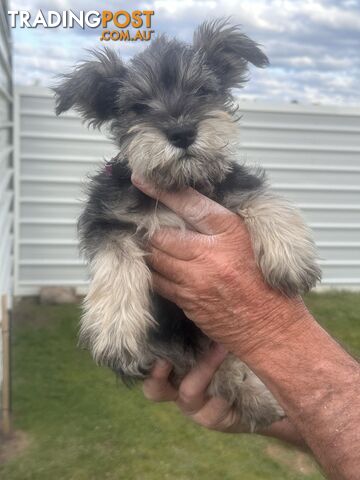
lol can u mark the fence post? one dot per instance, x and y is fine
(6, 398)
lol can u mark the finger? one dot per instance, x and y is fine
(203, 214)
(183, 245)
(167, 266)
(157, 387)
(165, 288)
(217, 414)
(193, 388)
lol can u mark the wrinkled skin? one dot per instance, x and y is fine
(221, 290)
(203, 272)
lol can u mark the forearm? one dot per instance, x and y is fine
(318, 385)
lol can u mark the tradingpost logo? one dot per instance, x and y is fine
(115, 25)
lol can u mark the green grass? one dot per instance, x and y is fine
(82, 425)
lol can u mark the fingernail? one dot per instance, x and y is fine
(142, 184)
(137, 179)
(220, 348)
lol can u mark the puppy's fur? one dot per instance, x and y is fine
(171, 112)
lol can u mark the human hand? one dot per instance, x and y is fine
(213, 277)
(191, 396)
(213, 413)
(212, 274)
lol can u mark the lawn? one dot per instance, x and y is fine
(76, 422)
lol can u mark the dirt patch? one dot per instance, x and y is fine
(295, 460)
(26, 311)
(29, 312)
(12, 446)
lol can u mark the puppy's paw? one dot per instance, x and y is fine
(259, 410)
(255, 404)
(292, 269)
(282, 244)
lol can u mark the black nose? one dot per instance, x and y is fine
(182, 137)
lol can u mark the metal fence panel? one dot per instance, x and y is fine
(6, 168)
(54, 156)
(312, 155)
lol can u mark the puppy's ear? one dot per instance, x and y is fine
(227, 51)
(92, 87)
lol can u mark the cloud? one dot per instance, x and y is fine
(312, 44)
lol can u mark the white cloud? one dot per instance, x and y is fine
(333, 16)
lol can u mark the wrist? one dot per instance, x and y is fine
(270, 324)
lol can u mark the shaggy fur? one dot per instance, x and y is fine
(171, 112)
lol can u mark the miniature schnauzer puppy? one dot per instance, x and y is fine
(171, 112)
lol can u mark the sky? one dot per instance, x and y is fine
(313, 45)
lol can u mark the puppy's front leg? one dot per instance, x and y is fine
(283, 245)
(117, 307)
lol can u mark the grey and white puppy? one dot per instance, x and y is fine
(171, 112)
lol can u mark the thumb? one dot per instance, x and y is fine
(203, 214)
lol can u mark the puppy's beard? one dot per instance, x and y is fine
(205, 162)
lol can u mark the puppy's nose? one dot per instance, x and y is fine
(182, 137)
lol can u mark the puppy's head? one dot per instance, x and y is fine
(170, 108)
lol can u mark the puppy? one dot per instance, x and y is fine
(171, 112)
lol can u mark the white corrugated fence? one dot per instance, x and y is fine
(6, 173)
(312, 155)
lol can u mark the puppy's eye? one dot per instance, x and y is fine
(140, 108)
